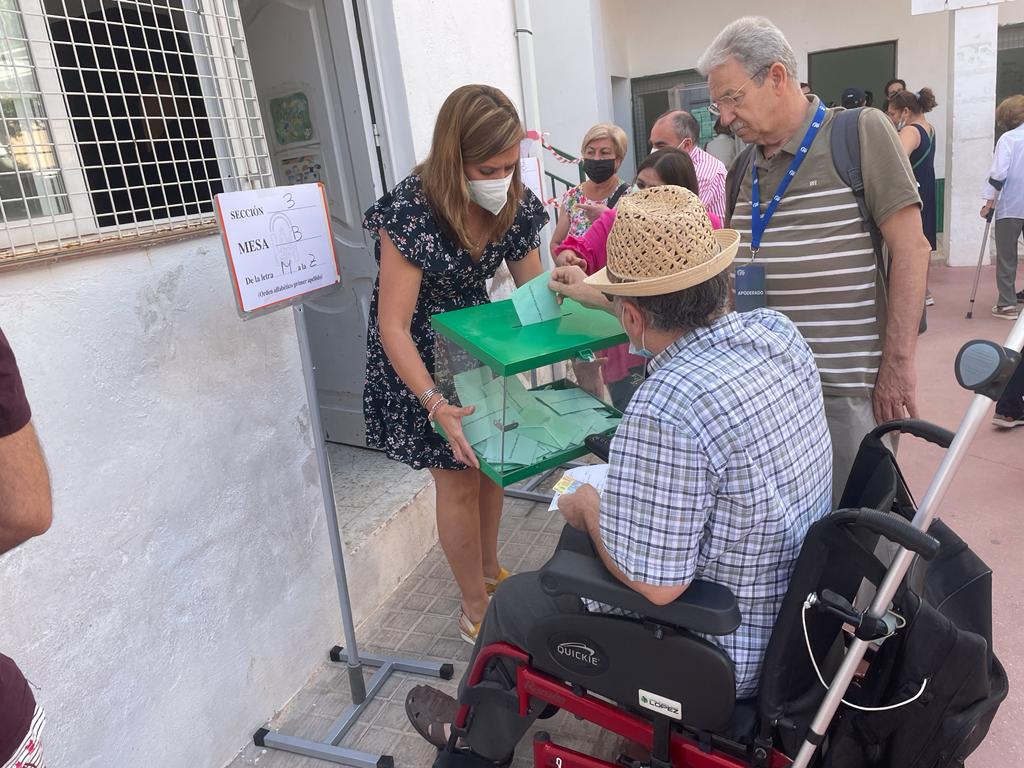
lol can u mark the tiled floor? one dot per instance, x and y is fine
(419, 621)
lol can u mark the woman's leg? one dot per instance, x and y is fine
(491, 502)
(458, 527)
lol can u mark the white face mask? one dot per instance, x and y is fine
(678, 146)
(490, 194)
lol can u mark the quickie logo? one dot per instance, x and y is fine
(579, 652)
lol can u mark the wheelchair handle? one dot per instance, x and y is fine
(895, 529)
(925, 430)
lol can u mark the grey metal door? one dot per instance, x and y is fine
(304, 56)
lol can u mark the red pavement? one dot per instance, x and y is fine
(985, 503)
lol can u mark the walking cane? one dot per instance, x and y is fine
(998, 185)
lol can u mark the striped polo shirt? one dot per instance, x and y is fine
(820, 266)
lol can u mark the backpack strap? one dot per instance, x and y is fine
(622, 189)
(846, 159)
(922, 158)
(740, 168)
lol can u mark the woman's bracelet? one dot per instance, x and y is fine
(435, 407)
(424, 397)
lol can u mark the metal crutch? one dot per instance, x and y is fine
(998, 185)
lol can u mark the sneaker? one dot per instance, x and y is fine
(468, 629)
(492, 584)
(1007, 313)
(1008, 422)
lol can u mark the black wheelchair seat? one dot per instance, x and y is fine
(639, 664)
(654, 659)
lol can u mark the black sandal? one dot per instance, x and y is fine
(430, 710)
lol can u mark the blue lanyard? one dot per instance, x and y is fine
(759, 223)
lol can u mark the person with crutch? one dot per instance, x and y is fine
(1007, 167)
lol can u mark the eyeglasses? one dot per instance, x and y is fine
(733, 100)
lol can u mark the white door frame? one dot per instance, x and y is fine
(387, 86)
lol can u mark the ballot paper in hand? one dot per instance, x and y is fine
(594, 474)
(535, 302)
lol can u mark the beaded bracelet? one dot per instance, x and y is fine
(433, 410)
(425, 396)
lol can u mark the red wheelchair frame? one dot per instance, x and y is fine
(530, 683)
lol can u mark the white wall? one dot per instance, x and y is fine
(447, 43)
(567, 41)
(185, 589)
(666, 35)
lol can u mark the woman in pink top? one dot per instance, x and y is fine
(623, 372)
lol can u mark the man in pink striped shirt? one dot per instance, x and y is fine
(680, 129)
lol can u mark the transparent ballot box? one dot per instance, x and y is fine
(536, 389)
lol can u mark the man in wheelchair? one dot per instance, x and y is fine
(720, 465)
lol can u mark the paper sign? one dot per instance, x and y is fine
(279, 244)
(535, 302)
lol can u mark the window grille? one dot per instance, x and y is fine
(1011, 36)
(121, 119)
(652, 95)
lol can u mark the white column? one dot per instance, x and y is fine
(973, 34)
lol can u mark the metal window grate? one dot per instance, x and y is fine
(121, 119)
(1011, 36)
(651, 97)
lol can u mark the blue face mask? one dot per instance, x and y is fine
(642, 350)
(646, 354)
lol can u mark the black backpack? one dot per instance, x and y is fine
(948, 642)
(845, 146)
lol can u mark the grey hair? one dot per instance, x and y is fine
(695, 307)
(755, 43)
(684, 125)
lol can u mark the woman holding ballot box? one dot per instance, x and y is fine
(441, 234)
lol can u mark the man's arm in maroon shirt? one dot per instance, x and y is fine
(25, 503)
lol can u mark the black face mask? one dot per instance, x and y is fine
(599, 170)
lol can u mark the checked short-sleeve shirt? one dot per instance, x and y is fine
(721, 463)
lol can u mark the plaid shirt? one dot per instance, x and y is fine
(720, 465)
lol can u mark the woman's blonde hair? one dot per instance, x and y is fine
(475, 122)
(606, 131)
(1010, 113)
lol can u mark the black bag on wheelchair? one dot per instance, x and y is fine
(941, 663)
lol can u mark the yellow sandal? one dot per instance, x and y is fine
(492, 584)
(468, 629)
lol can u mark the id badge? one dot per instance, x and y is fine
(750, 290)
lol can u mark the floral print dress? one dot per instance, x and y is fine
(395, 420)
(571, 204)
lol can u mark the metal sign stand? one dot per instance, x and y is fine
(327, 748)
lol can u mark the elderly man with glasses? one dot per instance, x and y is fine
(807, 252)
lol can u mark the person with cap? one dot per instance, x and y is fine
(853, 98)
(720, 465)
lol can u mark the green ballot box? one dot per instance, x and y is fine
(526, 418)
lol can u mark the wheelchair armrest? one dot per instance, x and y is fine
(703, 607)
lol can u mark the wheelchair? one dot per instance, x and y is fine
(653, 677)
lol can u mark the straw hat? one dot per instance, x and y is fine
(662, 242)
